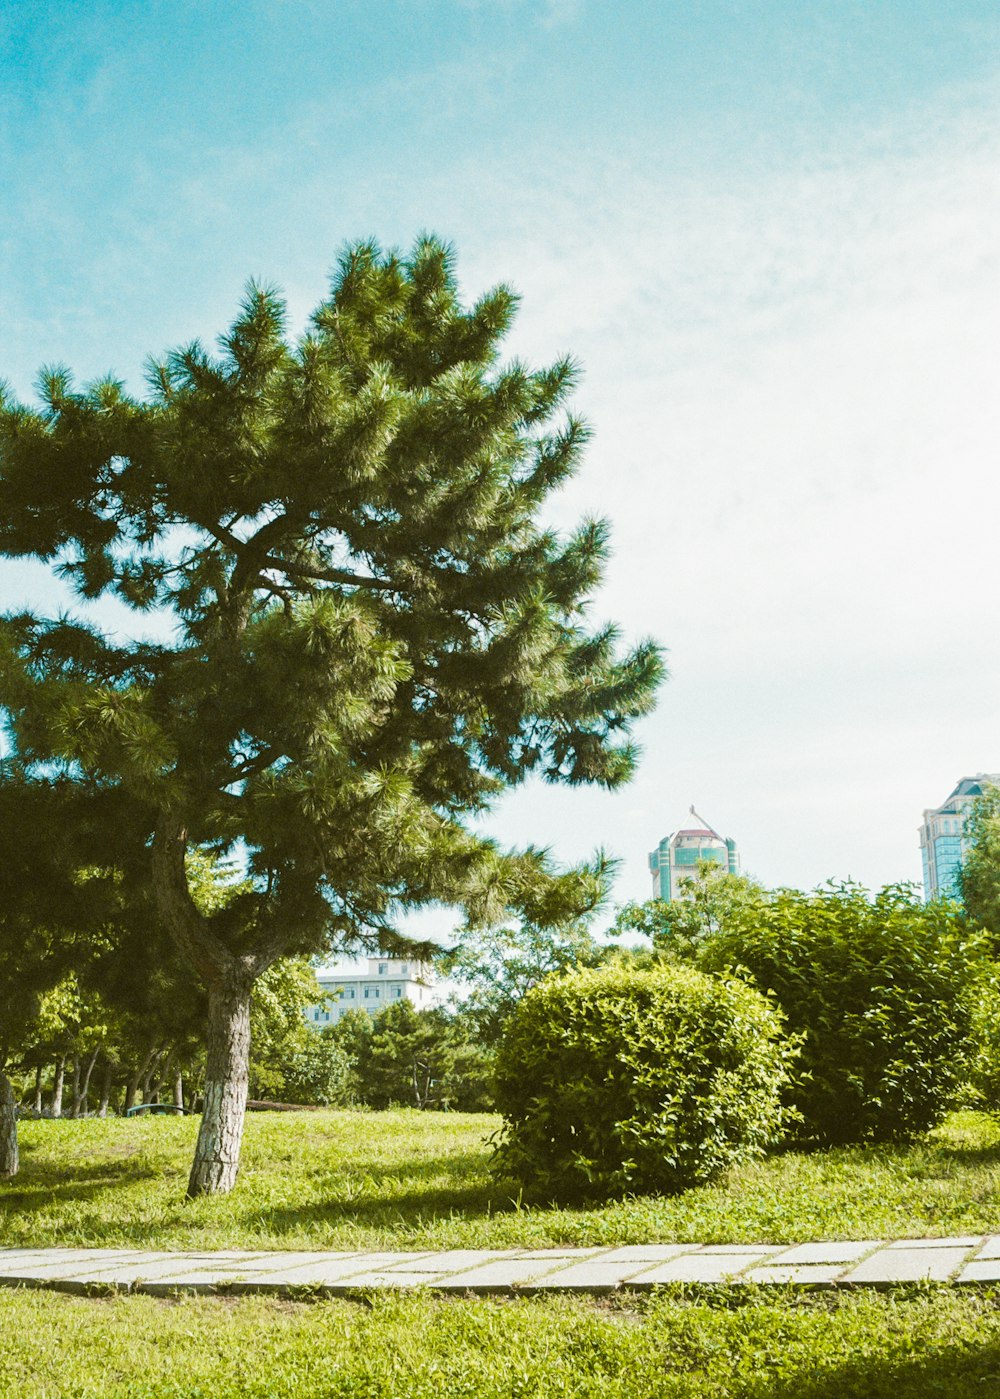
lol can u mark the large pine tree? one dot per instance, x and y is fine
(374, 634)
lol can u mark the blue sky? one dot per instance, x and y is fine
(768, 230)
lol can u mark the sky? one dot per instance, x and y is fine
(770, 233)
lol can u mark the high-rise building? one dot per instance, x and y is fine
(677, 856)
(943, 841)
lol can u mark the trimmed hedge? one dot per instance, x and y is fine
(882, 990)
(620, 1081)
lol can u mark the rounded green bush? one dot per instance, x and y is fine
(623, 1081)
(881, 990)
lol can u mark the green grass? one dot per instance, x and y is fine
(421, 1180)
(819, 1346)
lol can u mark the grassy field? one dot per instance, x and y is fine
(421, 1180)
(819, 1346)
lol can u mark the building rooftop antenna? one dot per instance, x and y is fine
(706, 824)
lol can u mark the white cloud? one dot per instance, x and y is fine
(792, 377)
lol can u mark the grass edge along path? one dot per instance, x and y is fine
(668, 1345)
(406, 1180)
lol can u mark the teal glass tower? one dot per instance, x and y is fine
(678, 855)
(943, 842)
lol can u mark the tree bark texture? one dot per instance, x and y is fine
(9, 1161)
(217, 1154)
(106, 1085)
(178, 1089)
(83, 1090)
(131, 1089)
(57, 1087)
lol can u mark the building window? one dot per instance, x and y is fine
(397, 991)
(368, 991)
(383, 968)
(404, 967)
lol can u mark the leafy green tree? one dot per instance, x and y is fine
(497, 966)
(352, 1033)
(712, 901)
(979, 879)
(319, 1071)
(422, 1059)
(280, 1034)
(371, 636)
(881, 988)
(51, 920)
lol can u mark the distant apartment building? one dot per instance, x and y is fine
(943, 842)
(677, 856)
(386, 979)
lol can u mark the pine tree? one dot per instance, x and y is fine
(375, 635)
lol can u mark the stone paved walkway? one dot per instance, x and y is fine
(872, 1263)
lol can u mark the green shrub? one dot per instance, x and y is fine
(625, 1081)
(881, 990)
(983, 1086)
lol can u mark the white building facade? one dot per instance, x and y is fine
(372, 987)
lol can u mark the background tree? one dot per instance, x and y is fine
(497, 966)
(713, 901)
(423, 1059)
(54, 917)
(280, 1034)
(371, 634)
(979, 879)
(882, 990)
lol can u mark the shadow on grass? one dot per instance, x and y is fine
(952, 1372)
(377, 1195)
(36, 1187)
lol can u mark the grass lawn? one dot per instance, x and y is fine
(818, 1346)
(420, 1180)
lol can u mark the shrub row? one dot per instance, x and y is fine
(825, 1018)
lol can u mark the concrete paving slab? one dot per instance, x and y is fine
(557, 1253)
(990, 1248)
(77, 1270)
(595, 1276)
(701, 1267)
(739, 1250)
(455, 1260)
(269, 1263)
(503, 1276)
(962, 1241)
(45, 1258)
(814, 1274)
(648, 1253)
(981, 1270)
(908, 1265)
(337, 1267)
(842, 1251)
(156, 1268)
(387, 1282)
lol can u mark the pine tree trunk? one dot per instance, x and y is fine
(107, 1082)
(217, 1154)
(8, 1129)
(37, 1103)
(57, 1086)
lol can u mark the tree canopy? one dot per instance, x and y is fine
(372, 632)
